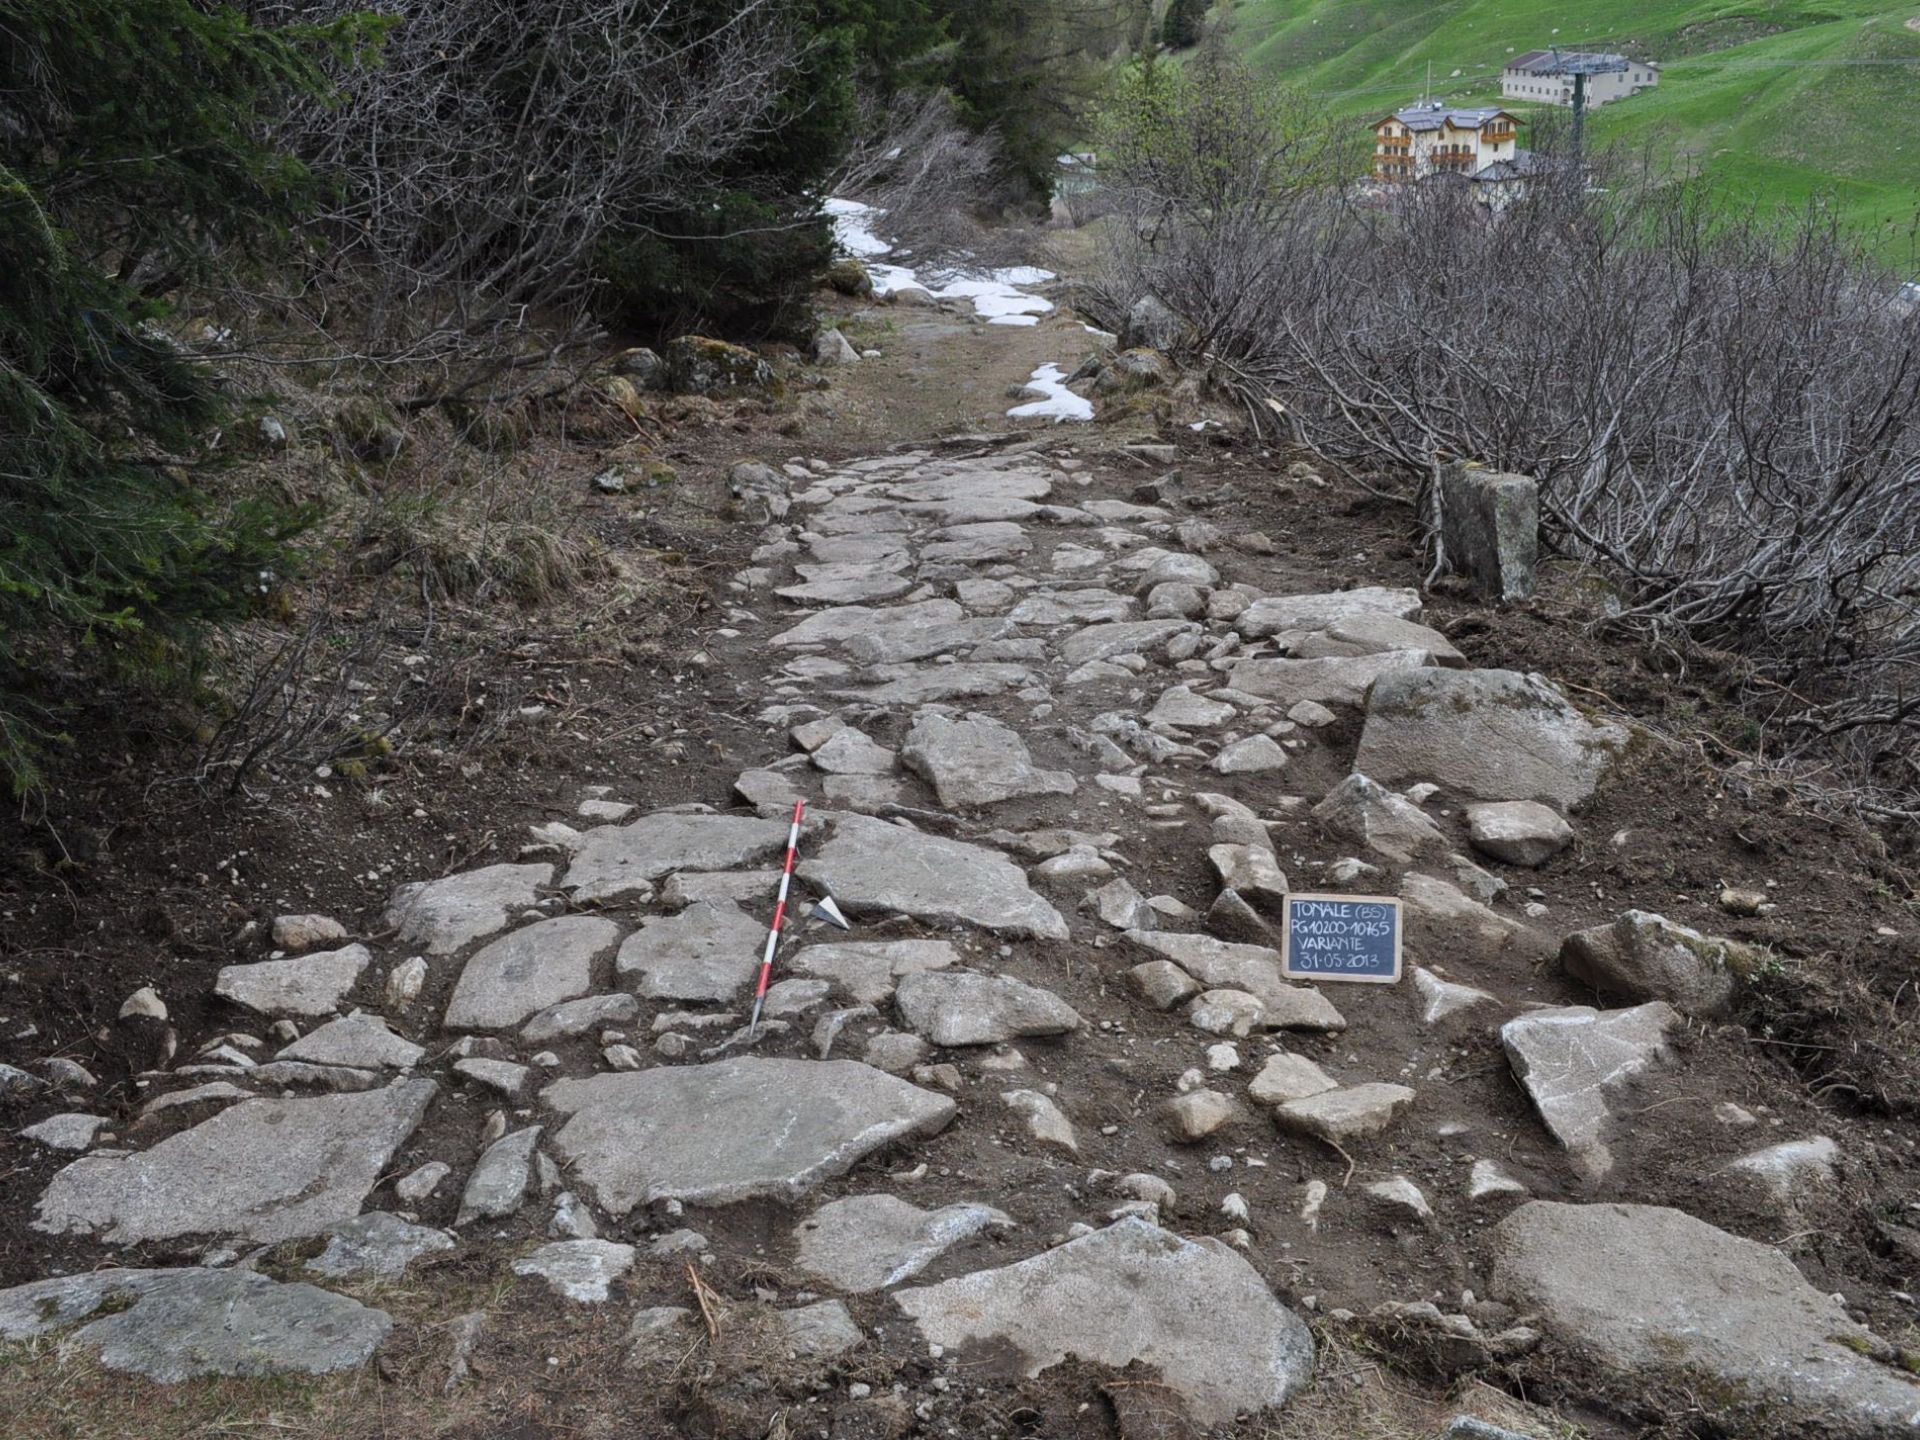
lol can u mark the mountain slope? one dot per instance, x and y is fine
(1779, 100)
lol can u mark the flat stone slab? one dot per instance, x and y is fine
(1654, 1296)
(358, 1041)
(305, 985)
(977, 761)
(376, 1244)
(1485, 735)
(1123, 637)
(1075, 607)
(442, 916)
(519, 975)
(577, 1017)
(1319, 612)
(1226, 965)
(1520, 832)
(262, 1170)
(578, 1270)
(958, 1008)
(732, 1130)
(497, 1186)
(869, 1242)
(187, 1323)
(968, 481)
(1336, 683)
(977, 543)
(1344, 1115)
(896, 644)
(868, 970)
(872, 866)
(926, 684)
(619, 859)
(1570, 1061)
(1370, 634)
(846, 585)
(1197, 1313)
(1386, 823)
(709, 951)
(844, 622)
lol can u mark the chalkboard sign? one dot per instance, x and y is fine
(1341, 937)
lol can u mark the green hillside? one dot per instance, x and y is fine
(1778, 99)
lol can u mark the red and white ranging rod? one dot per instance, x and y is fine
(779, 914)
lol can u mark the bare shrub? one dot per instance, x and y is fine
(935, 179)
(493, 145)
(1720, 405)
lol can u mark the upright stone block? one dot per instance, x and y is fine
(1490, 524)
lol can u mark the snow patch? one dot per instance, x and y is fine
(995, 294)
(1056, 402)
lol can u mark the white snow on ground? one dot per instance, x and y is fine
(1056, 402)
(994, 293)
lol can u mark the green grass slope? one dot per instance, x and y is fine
(1777, 100)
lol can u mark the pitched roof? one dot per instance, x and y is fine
(1546, 62)
(1432, 115)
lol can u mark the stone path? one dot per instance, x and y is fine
(1052, 742)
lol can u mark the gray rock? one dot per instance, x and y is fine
(521, 974)
(1183, 709)
(1232, 918)
(976, 543)
(905, 685)
(442, 916)
(69, 1131)
(821, 1330)
(1074, 607)
(1320, 612)
(1485, 735)
(1126, 637)
(976, 761)
(1045, 1120)
(1343, 1116)
(1437, 910)
(503, 1077)
(1175, 600)
(895, 1052)
(1655, 1297)
(1520, 832)
(1253, 754)
(1388, 824)
(620, 859)
(1572, 1061)
(1442, 998)
(846, 585)
(872, 866)
(183, 1324)
(1252, 873)
(305, 985)
(263, 1170)
(633, 1139)
(357, 1040)
(1286, 1078)
(1197, 1114)
(1223, 965)
(897, 644)
(830, 347)
(1642, 956)
(1795, 1177)
(1226, 1012)
(1490, 528)
(1132, 1292)
(303, 932)
(1340, 682)
(869, 1242)
(1122, 906)
(1150, 325)
(1163, 984)
(853, 752)
(577, 1017)
(376, 1244)
(958, 1008)
(706, 952)
(498, 1185)
(419, 1185)
(847, 622)
(867, 971)
(688, 887)
(578, 1270)
(1373, 634)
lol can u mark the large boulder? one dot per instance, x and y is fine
(696, 365)
(1642, 956)
(1150, 325)
(1484, 735)
(1490, 528)
(1676, 1310)
(1195, 1312)
(1388, 824)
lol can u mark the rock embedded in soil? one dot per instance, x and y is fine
(1442, 998)
(1162, 984)
(1131, 1292)
(498, 1185)
(1045, 1120)
(1438, 912)
(519, 975)
(866, 971)
(871, 1242)
(375, 1244)
(1571, 1061)
(1642, 956)
(304, 932)
(1485, 735)
(187, 1323)
(1289, 1077)
(836, 626)
(306, 985)
(70, 1130)
(1121, 637)
(442, 916)
(1197, 1114)
(1274, 614)
(577, 1017)
(620, 859)
(853, 752)
(871, 866)
(1388, 824)
(358, 1040)
(709, 951)
(821, 1330)
(1343, 1116)
(958, 1008)
(1255, 754)
(578, 1270)
(976, 761)
(1338, 683)
(1375, 634)
(732, 1130)
(262, 1170)
(1520, 832)
(1657, 1299)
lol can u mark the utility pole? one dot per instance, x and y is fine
(1580, 67)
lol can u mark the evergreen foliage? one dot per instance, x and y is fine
(1183, 24)
(128, 123)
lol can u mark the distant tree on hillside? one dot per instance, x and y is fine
(1183, 24)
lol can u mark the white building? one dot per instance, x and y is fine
(1433, 138)
(1543, 76)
